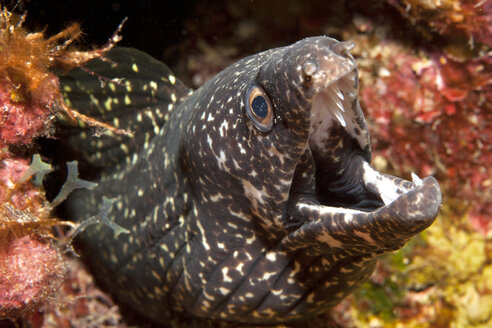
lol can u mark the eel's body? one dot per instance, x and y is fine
(248, 200)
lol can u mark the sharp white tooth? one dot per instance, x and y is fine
(339, 116)
(334, 106)
(332, 95)
(339, 93)
(416, 180)
(339, 104)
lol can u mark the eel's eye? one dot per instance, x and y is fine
(259, 108)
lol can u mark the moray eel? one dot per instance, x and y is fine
(249, 200)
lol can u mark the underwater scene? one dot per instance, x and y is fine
(246, 163)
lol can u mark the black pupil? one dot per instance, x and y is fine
(259, 107)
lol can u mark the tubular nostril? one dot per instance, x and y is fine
(342, 48)
(310, 68)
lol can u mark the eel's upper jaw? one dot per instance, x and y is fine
(337, 104)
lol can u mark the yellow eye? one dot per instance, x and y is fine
(259, 108)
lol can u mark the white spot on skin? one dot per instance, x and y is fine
(208, 296)
(224, 291)
(271, 256)
(94, 99)
(216, 198)
(225, 272)
(204, 239)
(135, 67)
(250, 240)
(241, 149)
(223, 128)
(221, 158)
(276, 292)
(128, 86)
(268, 275)
(239, 268)
(127, 100)
(172, 79)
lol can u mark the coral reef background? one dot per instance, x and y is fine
(426, 89)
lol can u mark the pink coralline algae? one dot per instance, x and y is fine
(434, 116)
(30, 271)
(20, 122)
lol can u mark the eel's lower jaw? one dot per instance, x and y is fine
(409, 208)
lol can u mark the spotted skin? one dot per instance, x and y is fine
(229, 222)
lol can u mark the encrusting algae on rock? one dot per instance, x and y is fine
(29, 90)
(31, 264)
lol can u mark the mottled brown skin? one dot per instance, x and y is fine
(251, 212)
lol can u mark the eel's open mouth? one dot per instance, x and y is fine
(339, 145)
(346, 187)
